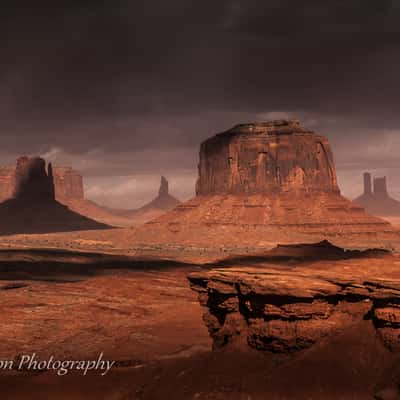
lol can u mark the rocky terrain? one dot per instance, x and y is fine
(286, 310)
(299, 322)
(307, 319)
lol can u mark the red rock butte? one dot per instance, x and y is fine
(261, 184)
(267, 157)
(33, 207)
(68, 183)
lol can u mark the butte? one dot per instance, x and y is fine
(261, 184)
(378, 201)
(33, 207)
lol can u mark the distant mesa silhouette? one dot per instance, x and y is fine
(159, 205)
(33, 207)
(377, 200)
(164, 201)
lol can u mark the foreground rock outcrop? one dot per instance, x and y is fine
(293, 306)
(33, 207)
(377, 200)
(266, 183)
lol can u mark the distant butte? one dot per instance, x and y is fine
(261, 184)
(377, 200)
(33, 207)
(69, 190)
(159, 205)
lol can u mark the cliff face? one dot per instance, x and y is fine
(33, 207)
(275, 156)
(262, 184)
(290, 309)
(68, 183)
(7, 183)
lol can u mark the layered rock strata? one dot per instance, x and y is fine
(287, 310)
(267, 157)
(265, 183)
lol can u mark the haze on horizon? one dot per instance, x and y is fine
(125, 91)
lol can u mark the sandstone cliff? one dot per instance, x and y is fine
(268, 157)
(68, 183)
(287, 307)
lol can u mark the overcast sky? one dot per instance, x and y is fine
(125, 91)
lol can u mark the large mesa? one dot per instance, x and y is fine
(266, 157)
(261, 184)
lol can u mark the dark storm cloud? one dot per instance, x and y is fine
(111, 77)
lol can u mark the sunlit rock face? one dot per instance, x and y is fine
(266, 157)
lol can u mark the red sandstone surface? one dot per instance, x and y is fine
(331, 319)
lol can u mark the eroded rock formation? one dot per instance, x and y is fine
(7, 184)
(378, 201)
(267, 157)
(261, 184)
(292, 308)
(33, 207)
(68, 183)
(32, 181)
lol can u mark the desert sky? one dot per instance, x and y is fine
(125, 91)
